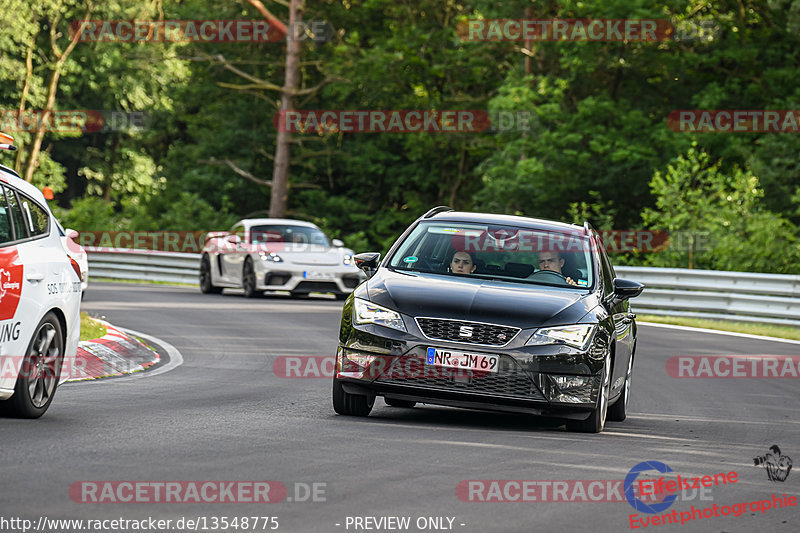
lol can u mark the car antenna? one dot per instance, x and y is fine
(436, 210)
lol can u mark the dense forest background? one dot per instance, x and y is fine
(598, 149)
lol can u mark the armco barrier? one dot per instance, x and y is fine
(744, 296)
(143, 265)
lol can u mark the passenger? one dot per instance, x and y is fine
(553, 262)
(462, 263)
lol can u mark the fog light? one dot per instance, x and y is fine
(571, 382)
(571, 389)
(361, 360)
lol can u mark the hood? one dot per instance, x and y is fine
(513, 304)
(311, 255)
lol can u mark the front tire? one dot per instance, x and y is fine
(206, 285)
(348, 404)
(249, 279)
(40, 372)
(619, 411)
(597, 420)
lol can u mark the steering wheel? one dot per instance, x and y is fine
(549, 276)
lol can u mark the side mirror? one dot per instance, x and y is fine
(72, 234)
(368, 262)
(623, 289)
(626, 288)
(338, 243)
(233, 239)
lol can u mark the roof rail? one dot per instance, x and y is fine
(587, 228)
(436, 210)
(10, 171)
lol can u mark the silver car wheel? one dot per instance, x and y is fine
(43, 366)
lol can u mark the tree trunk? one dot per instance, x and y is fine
(528, 45)
(280, 176)
(23, 100)
(52, 88)
(36, 146)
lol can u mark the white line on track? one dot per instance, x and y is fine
(175, 357)
(718, 332)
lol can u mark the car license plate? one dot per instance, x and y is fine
(470, 361)
(311, 274)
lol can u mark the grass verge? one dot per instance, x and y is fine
(144, 282)
(768, 330)
(90, 328)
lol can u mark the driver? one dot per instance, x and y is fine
(462, 263)
(553, 262)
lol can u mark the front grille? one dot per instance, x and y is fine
(469, 332)
(509, 381)
(316, 286)
(351, 282)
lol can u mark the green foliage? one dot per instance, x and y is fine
(598, 213)
(718, 219)
(90, 213)
(598, 147)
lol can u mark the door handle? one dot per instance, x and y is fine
(34, 275)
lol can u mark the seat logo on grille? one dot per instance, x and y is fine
(465, 331)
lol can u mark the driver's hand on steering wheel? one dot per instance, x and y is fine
(571, 281)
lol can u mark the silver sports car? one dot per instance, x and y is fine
(275, 254)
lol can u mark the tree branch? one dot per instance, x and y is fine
(243, 173)
(272, 19)
(264, 85)
(320, 85)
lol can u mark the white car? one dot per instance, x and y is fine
(277, 254)
(40, 292)
(77, 252)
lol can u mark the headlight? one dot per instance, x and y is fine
(347, 259)
(577, 336)
(369, 313)
(270, 257)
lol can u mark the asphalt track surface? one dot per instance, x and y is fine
(224, 415)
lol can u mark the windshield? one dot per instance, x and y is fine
(504, 253)
(285, 233)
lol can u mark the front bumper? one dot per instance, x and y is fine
(300, 279)
(550, 380)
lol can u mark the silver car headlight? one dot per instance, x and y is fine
(369, 313)
(270, 257)
(347, 259)
(576, 335)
